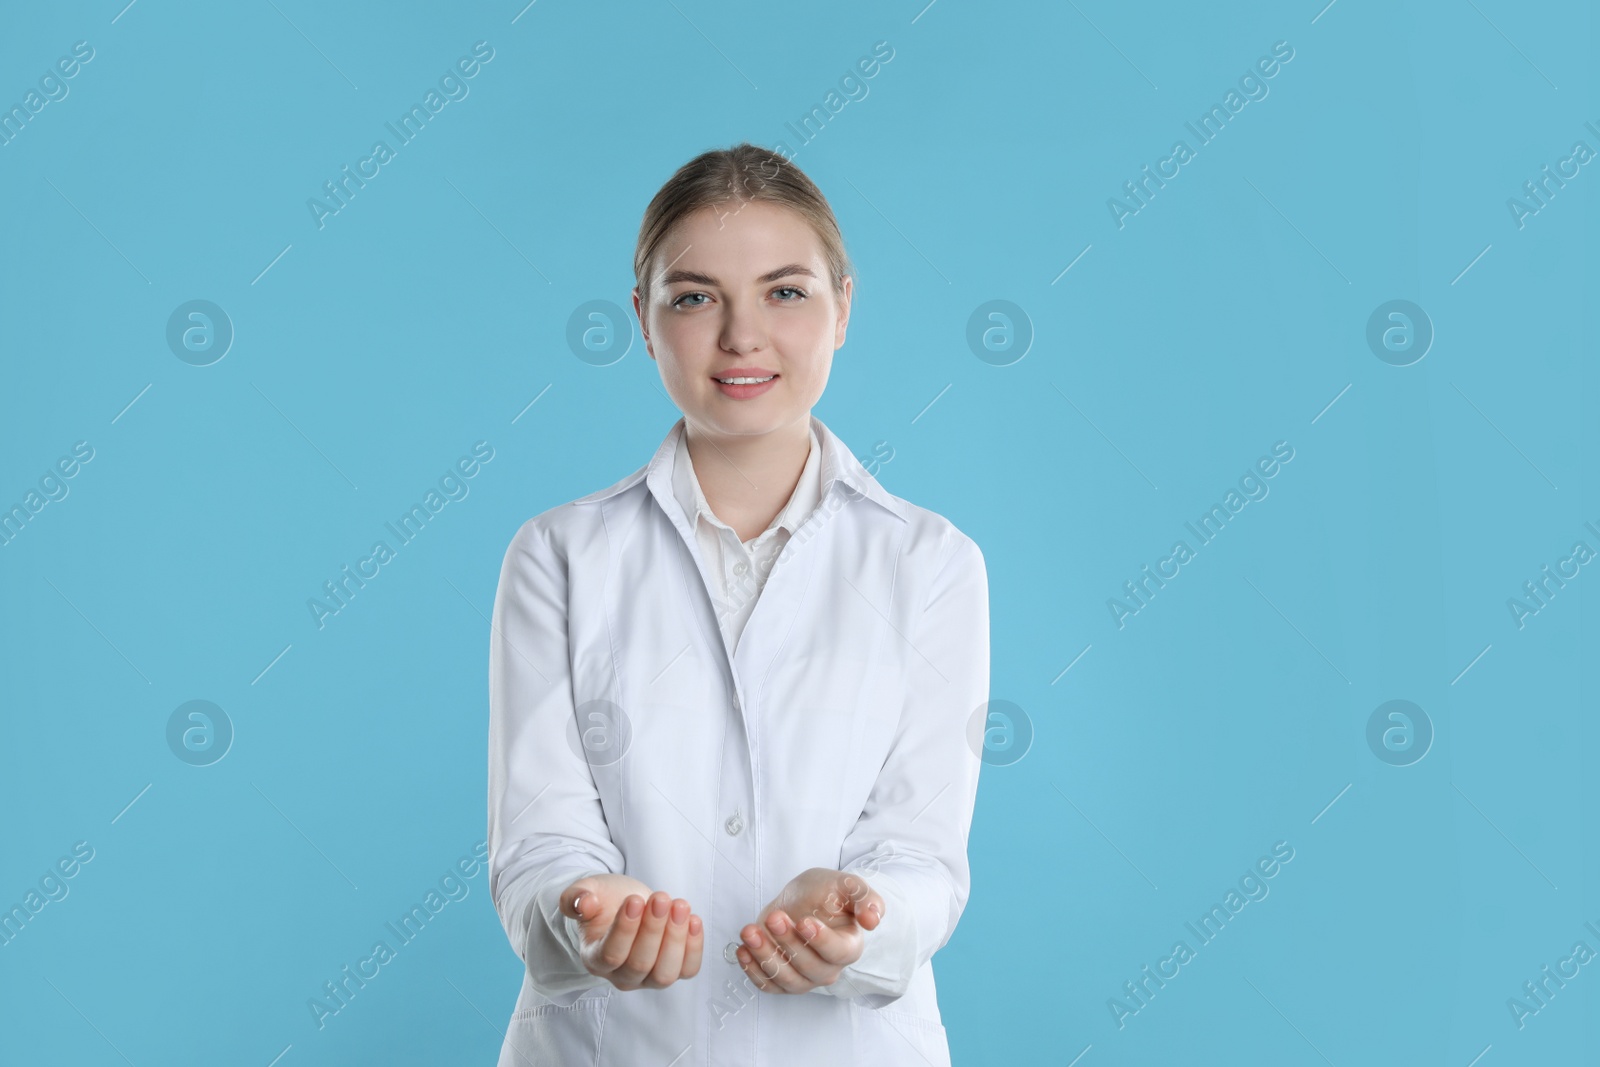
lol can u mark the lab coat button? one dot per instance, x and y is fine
(740, 567)
(731, 953)
(733, 825)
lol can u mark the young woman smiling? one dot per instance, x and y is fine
(730, 781)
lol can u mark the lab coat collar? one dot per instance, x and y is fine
(839, 465)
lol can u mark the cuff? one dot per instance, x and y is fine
(888, 954)
(554, 944)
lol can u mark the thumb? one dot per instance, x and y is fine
(864, 903)
(575, 900)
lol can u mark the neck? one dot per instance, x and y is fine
(748, 478)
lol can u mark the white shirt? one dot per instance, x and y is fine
(835, 734)
(742, 567)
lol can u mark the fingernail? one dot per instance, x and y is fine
(809, 928)
(775, 924)
(659, 906)
(754, 940)
(635, 907)
(680, 911)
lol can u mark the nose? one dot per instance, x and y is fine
(744, 328)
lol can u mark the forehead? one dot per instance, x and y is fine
(739, 240)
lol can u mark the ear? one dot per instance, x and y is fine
(843, 321)
(638, 313)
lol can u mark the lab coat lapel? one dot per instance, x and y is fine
(844, 481)
(658, 479)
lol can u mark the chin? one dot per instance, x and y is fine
(749, 423)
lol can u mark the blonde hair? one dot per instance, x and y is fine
(745, 173)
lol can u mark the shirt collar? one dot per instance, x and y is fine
(807, 492)
(836, 467)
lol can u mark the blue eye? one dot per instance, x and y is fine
(798, 295)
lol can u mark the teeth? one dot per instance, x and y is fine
(746, 381)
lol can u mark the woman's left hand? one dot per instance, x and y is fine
(832, 909)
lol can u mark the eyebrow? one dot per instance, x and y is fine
(705, 279)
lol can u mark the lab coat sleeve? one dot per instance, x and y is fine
(910, 842)
(546, 826)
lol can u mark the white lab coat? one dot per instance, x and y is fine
(839, 735)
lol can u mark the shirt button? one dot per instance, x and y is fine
(733, 825)
(740, 567)
(731, 953)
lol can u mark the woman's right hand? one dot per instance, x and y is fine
(651, 949)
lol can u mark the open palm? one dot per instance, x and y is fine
(633, 938)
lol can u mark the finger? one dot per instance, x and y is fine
(618, 942)
(748, 964)
(862, 901)
(669, 960)
(869, 910)
(768, 960)
(693, 947)
(647, 942)
(810, 966)
(839, 948)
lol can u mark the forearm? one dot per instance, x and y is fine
(546, 826)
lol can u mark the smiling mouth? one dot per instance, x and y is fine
(744, 380)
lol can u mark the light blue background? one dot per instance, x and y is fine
(1227, 315)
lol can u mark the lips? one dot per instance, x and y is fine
(745, 372)
(747, 391)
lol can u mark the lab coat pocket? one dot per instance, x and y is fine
(911, 1032)
(556, 1035)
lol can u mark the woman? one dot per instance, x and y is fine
(732, 693)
